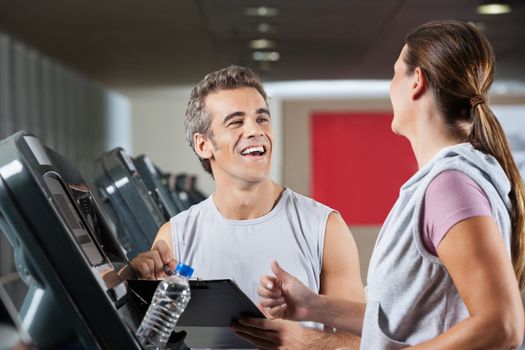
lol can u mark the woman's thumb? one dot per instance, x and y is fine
(278, 271)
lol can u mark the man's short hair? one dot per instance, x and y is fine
(197, 118)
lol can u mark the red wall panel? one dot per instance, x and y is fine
(358, 164)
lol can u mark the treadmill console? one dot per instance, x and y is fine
(71, 295)
(135, 215)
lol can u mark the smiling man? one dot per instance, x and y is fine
(250, 220)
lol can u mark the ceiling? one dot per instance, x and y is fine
(139, 43)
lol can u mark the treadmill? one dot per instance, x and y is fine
(134, 213)
(165, 180)
(73, 296)
(152, 177)
(186, 187)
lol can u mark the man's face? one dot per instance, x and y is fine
(241, 142)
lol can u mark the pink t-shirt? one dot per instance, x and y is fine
(451, 197)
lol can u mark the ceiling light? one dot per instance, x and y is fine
(494, 8)
(262, 11)
(266, 28)
(266, 56)
(261, 44)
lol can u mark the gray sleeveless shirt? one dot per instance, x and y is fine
(291, 233)
(411, 298)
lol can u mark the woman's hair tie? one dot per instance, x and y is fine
(476, 100)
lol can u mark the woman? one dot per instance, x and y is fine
(441, 275)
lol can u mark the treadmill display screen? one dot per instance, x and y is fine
(72, 218)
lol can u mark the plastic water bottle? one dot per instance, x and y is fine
(169, 301)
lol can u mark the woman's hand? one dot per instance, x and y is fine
(285, 296)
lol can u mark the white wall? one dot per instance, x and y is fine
(118, 123)
(158, 131)
(512, 119)
(276, 109)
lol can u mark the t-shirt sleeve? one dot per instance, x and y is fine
(451, 197)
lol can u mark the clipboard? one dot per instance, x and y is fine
(214, 304)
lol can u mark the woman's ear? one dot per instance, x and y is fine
(419, 83)
(203, 145)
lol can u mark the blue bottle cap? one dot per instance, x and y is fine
(184, 270)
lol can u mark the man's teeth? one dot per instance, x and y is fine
(259, 149)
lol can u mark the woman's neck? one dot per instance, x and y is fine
(429, 138)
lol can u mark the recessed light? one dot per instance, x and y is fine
(261, 44)
(494, 8)
(266, 28)
(266, 56)
(261, 11)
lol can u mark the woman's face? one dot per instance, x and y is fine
(400, 95)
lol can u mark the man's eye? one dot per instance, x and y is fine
(235, 123)
(263, 119)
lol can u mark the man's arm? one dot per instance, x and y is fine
(341, 274)
(290, 335)
(164, 234)
(150, 264)
(340, 278)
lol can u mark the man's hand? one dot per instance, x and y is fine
(280, 334)
(285, 296)
(151, 264)
(271, 334)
